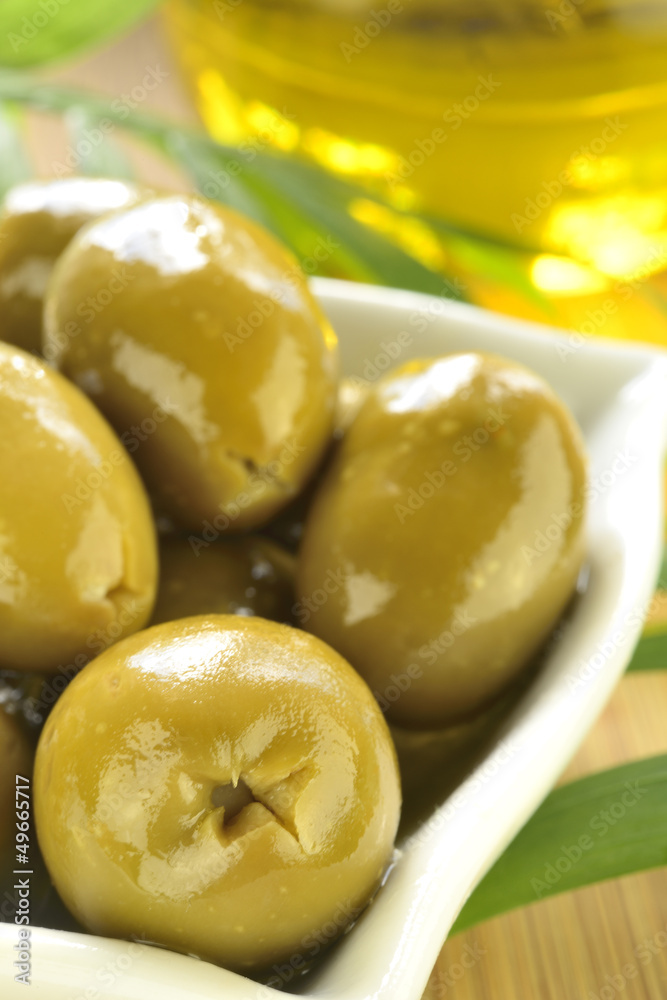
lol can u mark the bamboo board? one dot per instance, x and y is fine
(599, 943)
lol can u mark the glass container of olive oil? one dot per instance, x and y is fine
(538, 123)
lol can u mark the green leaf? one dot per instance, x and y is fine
(227, 175)
(324, 200)
(303, 206)
(218, 174)
(97, 153)
(34, 32)
(603, 826)
(662, 576)
(651, 653)
(14, 164)
(501, 264)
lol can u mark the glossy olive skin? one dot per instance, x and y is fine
(220, 785)
(245, 576)
(78, 555)
(422, 557)
(37, 221)
(215, 340)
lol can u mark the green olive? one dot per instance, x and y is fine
(194, 331)
(244, 576)
(78, 561)
(37, 221)
(221, 785)
(447, 535)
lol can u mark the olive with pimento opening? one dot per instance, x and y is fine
(224, 786)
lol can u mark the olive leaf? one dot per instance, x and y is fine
(495, 259)
(103, 160)
(14, 163)
(34, 32)
(602, 826)
(651, 650)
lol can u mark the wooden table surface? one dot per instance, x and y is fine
(599, 943)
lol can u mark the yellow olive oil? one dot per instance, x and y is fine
(542, 123)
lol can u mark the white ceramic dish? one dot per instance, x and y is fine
(619, 395)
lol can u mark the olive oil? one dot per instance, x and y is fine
(542, 123)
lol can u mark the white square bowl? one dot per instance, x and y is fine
(619, 395)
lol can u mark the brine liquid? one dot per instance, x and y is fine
(541, 123)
